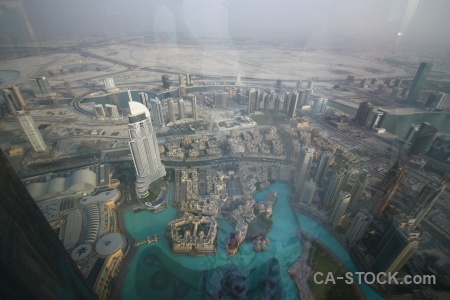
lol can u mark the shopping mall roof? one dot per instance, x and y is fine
(110, 244)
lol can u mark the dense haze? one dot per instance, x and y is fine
(378, 21)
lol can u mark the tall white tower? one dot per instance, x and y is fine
(144, 147)
(31, 131)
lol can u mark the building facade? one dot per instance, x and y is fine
(144, 147)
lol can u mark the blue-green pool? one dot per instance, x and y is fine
(156, 273)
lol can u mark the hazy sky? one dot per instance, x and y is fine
(426, 21)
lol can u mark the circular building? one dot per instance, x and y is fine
(111, 244)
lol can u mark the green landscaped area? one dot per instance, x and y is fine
(266, 119)
(154, 190)
(322, 261)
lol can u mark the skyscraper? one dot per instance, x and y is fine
(182, 80)
(109, 84)
(422, 140)
(41, 88)
(359, 185)
(34, 263)
(276, 105)
(287, 99)
(157, 114)
(143, 97)
(144, 147)
(310, 85)
(251, 101)
(319, 106)
(238, 80)
(440, 149)
(194, 107)
(171, 111)
(31, 131)
(298, 85)
(165, 81)
(364, 110)
(181, 115)
(387, 189)
(412, 131)
(99, 111)
(322, 166)
(267, 100)
(221, 99)
(359, 226)
(425, 201)
(308, 192)
(419, 80)
(377, 119)
(303, 167)
(293, 105)
(112, 111)
(342, 202)
(397, 245)
(334, 187)
(11, 94)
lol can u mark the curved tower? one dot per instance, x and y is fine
(144, 147)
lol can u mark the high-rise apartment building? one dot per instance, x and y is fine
(397, 245)
(238, 80)
(143, 97)
(320, 106)
(165, 81)
(322, 166)
(303, 167)
(287, 99)
(387, 189)
(181, 114)
(377, 119)
(423, 139)
(267, 99)
(359, 226)
(276, 104)
(221, 99)
(251, 101)
(157, 113)
(364, 110)
(99, 111)
(359, 185)
(298, 85)
(13, 96)
(144, 147)
(31, 131)
(419, 80)
(293, 105)
(34, 263)
(424, 202)
(307, 194)
(194, 107)
(182, 80)
(342, 202)
(412, 131)
(440, 149)
(109, 84)
(112, 111)
(171, 109)
(334, 187)
(41, 88)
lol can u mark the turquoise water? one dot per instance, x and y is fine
(8, 76)
(156, 272)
